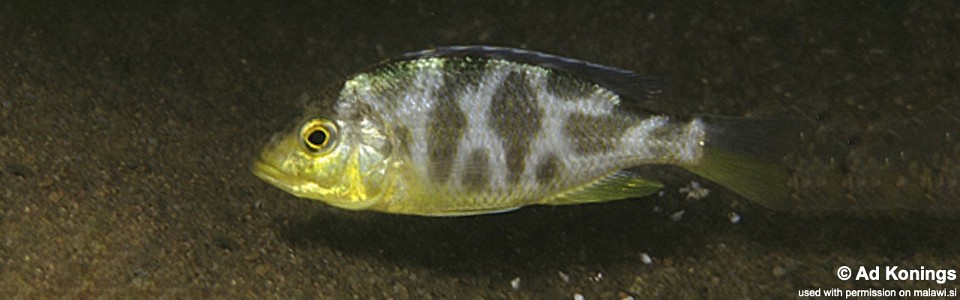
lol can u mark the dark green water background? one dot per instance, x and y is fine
(126, 130)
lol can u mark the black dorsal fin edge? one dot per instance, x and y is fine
(634, 89)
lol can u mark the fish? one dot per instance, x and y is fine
(469, 130)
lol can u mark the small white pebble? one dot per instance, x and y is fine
(734, 217)
(662, 193)
(627, 298)
(563, 276)
(695, 191)
(577, 296)
(597, 277)
(645, 258)
(677, 216)
(515, 283)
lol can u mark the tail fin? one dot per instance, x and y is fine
(746, 156)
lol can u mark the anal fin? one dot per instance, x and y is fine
(617, 186)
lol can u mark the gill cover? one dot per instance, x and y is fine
(340, 163)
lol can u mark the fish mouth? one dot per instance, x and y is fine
(273, 175)
(270, 171)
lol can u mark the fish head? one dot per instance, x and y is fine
(340, 161)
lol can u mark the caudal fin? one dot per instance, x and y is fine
(746, 157)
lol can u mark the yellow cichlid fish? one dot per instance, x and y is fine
(476, 129)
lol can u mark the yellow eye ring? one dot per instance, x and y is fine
(318, 135)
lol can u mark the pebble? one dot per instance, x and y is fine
(578, 296)
(734, 217)
(645, 258)
(261, 269)
(515, 283)
(45, 183)
(563, 276)
(677, 216)
(55, 196)
(695, 191)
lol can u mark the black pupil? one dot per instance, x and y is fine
(317, 138)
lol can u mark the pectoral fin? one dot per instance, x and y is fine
(617, 186)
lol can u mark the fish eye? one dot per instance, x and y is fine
(318, 135)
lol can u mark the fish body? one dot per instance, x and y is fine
(474, 130)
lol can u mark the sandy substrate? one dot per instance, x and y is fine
(126, 131)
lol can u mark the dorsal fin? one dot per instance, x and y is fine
(633, 88)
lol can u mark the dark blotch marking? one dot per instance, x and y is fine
(596, 134)
(448, 123)
(477, 172)
(445, 128)
(566, 87)
(549, 170)
(516, 118)
(404, 140)
(460, 74)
